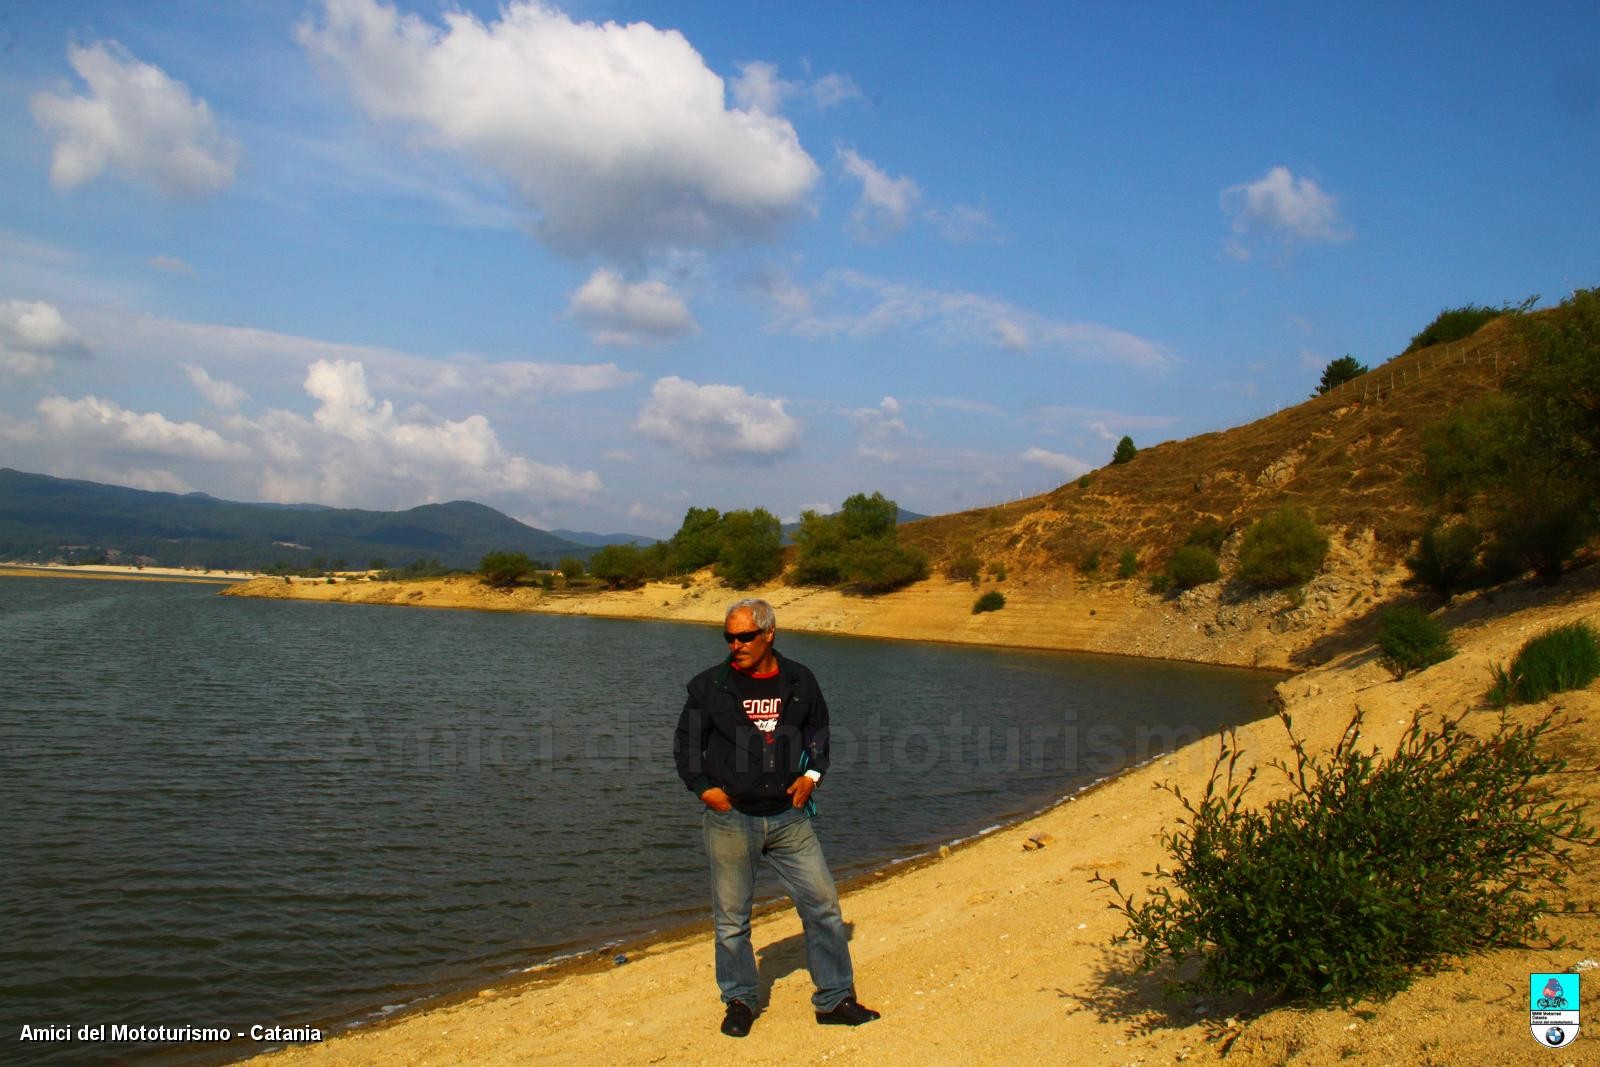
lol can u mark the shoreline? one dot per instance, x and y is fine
(985, 953)
(108, 572)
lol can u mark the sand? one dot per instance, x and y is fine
(998, 954)
(114, 573)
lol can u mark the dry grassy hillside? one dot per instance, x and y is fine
(1345, 456)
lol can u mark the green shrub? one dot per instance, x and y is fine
(1209, 534)
(1089, 563)
(993, 600)
(1370, 870)
(1193, 565)
(1563, 658)
(964, 566)
(547, 582)
(999, 572)
(1452, 324)
(1447, 558)
(1160, 583)
(570, 567)
(1083, 481)
(1125, 450)
(1282, 549)
(1409, 639)
(1128, 565)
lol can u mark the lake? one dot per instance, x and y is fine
(223, 812)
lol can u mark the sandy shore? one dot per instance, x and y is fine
(996, 954)
(135, 574)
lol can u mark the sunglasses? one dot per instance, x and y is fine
(744, 638)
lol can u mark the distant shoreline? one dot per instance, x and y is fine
(106, 572)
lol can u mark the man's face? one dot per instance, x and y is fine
(746, 654)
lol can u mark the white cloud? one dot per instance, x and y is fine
(1063, 465)
(616, 311)
(646, 513)
(511, 377)
(224, 396)
(33, 334)
(171, 264)
(136, 121)
(759, 88)
(860, 305)
(886, 203)
(1279, 204)
(964, 224)
(618, 135)
(881, 430)
(717, 421)
(104, 425)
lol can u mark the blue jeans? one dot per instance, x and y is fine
(735, 843)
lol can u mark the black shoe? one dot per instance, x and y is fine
(736, 1023)
(848, 1012)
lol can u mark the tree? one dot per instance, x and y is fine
(1193, 565)
(502, 570)
(1339, 371)
(621, 566)
(571, 568)
(1283, 549)
(858, 544)
(697, 541)
(751, 548)
(1125, 450)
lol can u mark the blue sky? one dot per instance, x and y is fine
(595, 264)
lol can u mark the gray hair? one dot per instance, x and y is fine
(760, 612)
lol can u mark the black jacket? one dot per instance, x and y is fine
(716, 744)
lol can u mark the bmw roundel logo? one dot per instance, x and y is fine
(1554, 1036)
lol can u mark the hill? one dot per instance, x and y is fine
(1346, 456)
(44, 518)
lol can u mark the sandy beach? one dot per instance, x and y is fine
(996, 953)
(126, 574)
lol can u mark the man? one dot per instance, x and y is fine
(752, 744)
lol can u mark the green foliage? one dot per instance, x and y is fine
(1447, 559)
(1409, 639)
(1562, 658)
(1370, 870)
(1125, 450)
(1336, 373)
(993, 600)
(858, 545)
(417, 568)
(1282, 549)
(1193, 565)
(1090, 561)
(964, 566)
(1209, 535)
(1128, 564)
(502, 570)
(1452, 324)
(999, 572)
(1524, 466)
(625, 566)
(697, 542)
(1083, 481)
(571, 569)
(1160, 583)
(750, 549)
(547, 582)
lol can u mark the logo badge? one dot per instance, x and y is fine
(1553, 1008)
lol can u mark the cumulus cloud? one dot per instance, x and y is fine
(33, 334)
(881, 429)
(103, 424)
(1056, 462)
(717, 421)
(759, 88)
(886, 203)
(1281, 205)
(224, 396)
(619, 136)
(136, 121)
(851, 304)
(616, 311)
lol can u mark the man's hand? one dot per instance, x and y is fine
(717, 800)
(800, 791)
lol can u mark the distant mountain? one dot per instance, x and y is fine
(597, 540)
(45, 518)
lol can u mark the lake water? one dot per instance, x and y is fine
(223, 812)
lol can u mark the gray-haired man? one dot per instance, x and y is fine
(752, 744)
